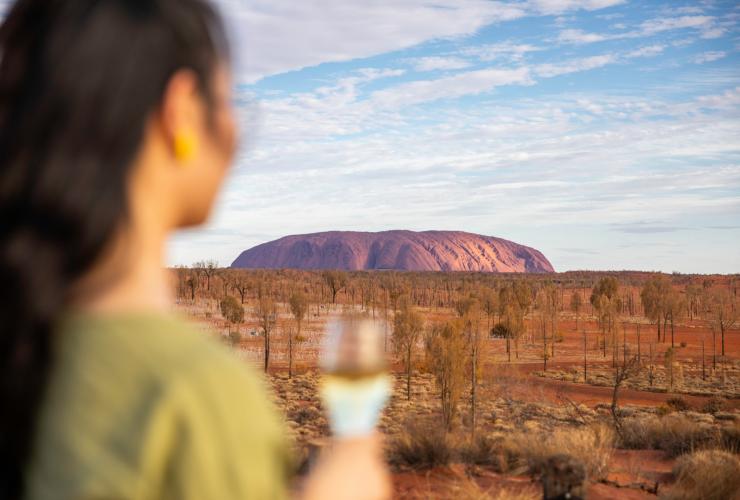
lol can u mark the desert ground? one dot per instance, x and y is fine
(674, 423)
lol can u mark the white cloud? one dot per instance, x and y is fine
(710, 33)
(671, 23)
(710, 56)
(706, 25)
(727, 100)
(647, 51)
(579, 36)
(276, 36)
(466, 166)
(575, 65)
(433, 63)
(559, 6)
(467, 83)
(503, 50)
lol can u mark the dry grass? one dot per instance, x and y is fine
(730, 437)
(591, 445)
(707, 474)
(466, 488)
(498, 452)
(422, 444)
(672, 433)
(678, 403)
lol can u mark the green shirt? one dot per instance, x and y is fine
(143, 406)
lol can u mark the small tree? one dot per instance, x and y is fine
(669, 358)
(241, 283)
(621, 373)
(232, 311)
(298, 308)
(489, 302)
(724, 313)
(446, 352)
(207, 269)
(576, 303)
(653, 296)
(407, 328)
(267, 318)
(336, 280)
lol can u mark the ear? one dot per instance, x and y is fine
(180, 105)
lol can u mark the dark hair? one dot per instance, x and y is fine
(78, 81)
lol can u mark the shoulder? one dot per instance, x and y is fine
(150, 403)
(231, 441)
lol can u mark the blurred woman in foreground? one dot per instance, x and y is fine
(116, 128)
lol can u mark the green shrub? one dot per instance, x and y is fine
(232, 310)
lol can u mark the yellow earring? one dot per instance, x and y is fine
(185, 146)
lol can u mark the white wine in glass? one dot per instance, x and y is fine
(355, 384)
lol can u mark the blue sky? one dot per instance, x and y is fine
(604, 133)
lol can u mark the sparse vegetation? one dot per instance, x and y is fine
(591, 445)
(677, 403)
(673, 433)
(706, 474)
(517, 423)
(421, 444)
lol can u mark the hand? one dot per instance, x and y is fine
(352, 469)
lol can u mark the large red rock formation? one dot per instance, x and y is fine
(400, 250)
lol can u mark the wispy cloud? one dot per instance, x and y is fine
(276, 36)
(645, 228)
(468, 83)
(560, 6)
(432, 63)
(545, 122)
(506, 51)
(709, 56)
(574, 65)
(707, 27)
(647, 51)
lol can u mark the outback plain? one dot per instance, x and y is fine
(601, 384)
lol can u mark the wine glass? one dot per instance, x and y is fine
(355, 384)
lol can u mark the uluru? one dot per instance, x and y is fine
(395, 250)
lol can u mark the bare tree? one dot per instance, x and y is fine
(336, 280)
(674, 305)
(206, 268)
(446, 352)
(489, 302)
(298, 308)
(724, 313)
(407, 328)
(469, 311)
(242, 284)
(621, 373)
(576, 302)
(653, 296)
(669, 358)
(267, 318)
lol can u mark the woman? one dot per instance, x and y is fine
(116, 128)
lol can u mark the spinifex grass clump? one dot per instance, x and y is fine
(706, 474)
